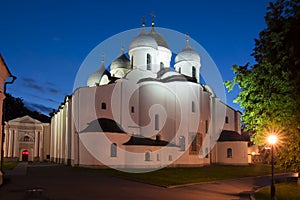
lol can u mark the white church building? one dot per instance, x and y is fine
(145, 113)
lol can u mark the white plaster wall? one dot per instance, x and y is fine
(164, 55)
(239, 153)
(140, 58)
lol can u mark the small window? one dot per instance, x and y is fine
(229, 153)
(156, 122)
(157, 137)
(26, 139)
(182, 143)
(179, 70)
(226, 120)
(131, 62)
(206, 152)
(206, 126)
(157, 157)
(147, 156)
(193, 72)
(162, 65)
(103, 106)
(132, 109)
(201, 152)
(170, 158)
(193, 107)
(148, 61)
(194, 144)
(113, 150)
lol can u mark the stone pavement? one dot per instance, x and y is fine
(64, 183)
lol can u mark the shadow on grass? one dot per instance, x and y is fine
(178, 176)
(285, 190)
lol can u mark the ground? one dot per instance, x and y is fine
(59, 182)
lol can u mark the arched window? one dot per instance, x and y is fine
(182, 143)
(226, 120)
(132, 109)
(206, 126)
(194, 143)
(193, 107)
(206, 152)
(148, 61)
(103, 106)
(156, 122)
(229, 153)
(113, 150)
(157, 137)
(193, 72)
(26, 139)
(147, 156)
(162, 65)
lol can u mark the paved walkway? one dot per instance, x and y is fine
(20, 169)
(63, 183)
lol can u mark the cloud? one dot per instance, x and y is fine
(38, 107)
(39, 97)
(37, 86)
(53, 90)
(32, 84)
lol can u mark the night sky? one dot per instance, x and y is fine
(44, 42)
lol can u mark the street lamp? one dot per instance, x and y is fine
(272, 139)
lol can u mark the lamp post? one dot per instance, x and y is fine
(272, 139)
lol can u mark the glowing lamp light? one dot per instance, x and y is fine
(272, 139)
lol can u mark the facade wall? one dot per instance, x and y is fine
(136, 115)
(4, 74)
(27, 139)
(236, 156)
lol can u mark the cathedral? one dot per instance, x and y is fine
(143, 113)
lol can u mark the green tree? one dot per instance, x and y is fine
(15, 107)
(270, 88)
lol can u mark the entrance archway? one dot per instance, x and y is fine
(25, 155)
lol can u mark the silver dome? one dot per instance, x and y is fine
(143, 40)
(159, 38)
(121, 62)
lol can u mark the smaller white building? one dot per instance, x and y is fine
(26, 139)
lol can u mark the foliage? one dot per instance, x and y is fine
(10, 165)
(270, 89)
(15, 107)
(283, 191)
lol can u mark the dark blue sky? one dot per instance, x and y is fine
(45, 42)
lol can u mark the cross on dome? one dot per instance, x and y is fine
(153, 16)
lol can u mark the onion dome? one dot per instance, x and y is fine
(159, 38)
(121, 62)
(95, 78)
(143, 40)
(187, 54)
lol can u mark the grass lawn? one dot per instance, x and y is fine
(10, 165)
(178, 176)
(284, 191)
